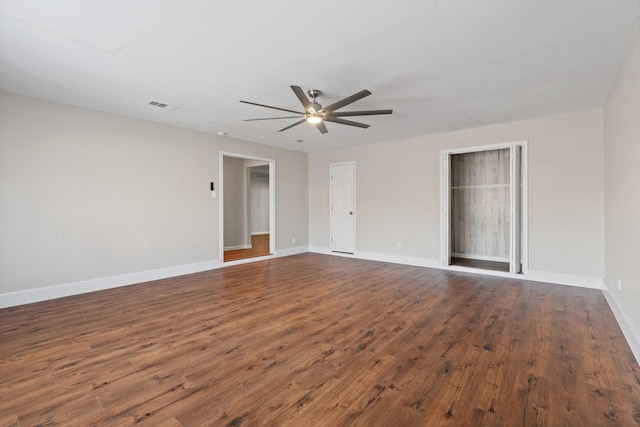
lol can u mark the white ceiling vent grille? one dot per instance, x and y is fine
(161, 105)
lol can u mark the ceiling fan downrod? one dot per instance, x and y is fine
(313, 94)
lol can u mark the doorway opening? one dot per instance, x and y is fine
(483, 207)
(247, 207)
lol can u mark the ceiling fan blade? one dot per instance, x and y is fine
(295, 124)
(271, 118)
(346, 122)
(303, 99)
(360, 113)
(322, 128)
(346, 101)
(269, 106)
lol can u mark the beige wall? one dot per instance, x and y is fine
(87, 195)
(622, 188)
(398, 199)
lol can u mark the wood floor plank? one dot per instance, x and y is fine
(9, 420)
(319, 340)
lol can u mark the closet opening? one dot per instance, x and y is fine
(483, 204)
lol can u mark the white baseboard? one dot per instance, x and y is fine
(258, 233)
(629, 329)
(590, 282)
(374, 256)
(536, 276)
(290, 251)
(29, 296)
(75, 288)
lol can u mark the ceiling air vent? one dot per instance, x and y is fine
(161, 105)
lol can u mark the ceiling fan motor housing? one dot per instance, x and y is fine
(314, 93)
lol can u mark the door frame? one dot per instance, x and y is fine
(272, 198)
(519, 241)
(331, 165)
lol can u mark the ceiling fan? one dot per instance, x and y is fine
(316, 114)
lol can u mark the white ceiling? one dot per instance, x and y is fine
(441, 65)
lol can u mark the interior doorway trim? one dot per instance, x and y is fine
(520, 239)
(272, 198)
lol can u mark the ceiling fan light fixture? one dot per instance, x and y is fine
(314, 119)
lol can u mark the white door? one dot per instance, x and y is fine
(343, 207)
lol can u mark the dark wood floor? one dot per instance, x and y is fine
(259, 247)
(319, 340)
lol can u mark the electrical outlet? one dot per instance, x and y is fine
(293, 240)
(398, 245)
(619, 284)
